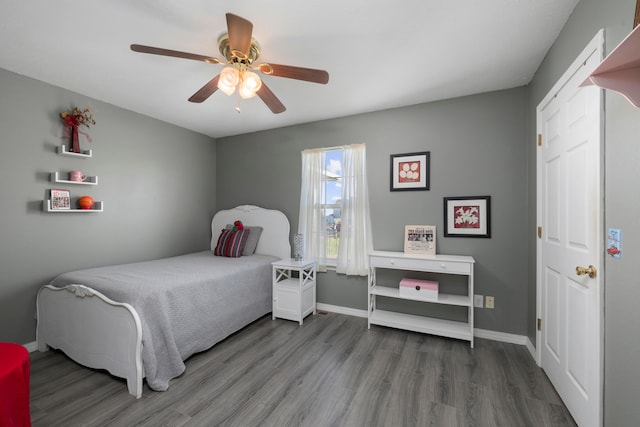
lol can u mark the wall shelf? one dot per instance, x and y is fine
(97, 207)
(84, 154)
(620, 70)
(91, 180)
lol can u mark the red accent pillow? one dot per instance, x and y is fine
(231, 243)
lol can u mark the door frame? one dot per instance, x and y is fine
(596, 45)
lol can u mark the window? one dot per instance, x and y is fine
(334, 208)
(332, 204)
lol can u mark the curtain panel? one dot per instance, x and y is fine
(355, 229)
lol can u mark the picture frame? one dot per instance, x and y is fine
(636, 16)
(410, 171)
(420, 239)
(60, 200)
(467, 216)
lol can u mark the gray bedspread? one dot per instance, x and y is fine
(186, 303)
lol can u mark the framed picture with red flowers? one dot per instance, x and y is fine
(467, 216)
(410, 171)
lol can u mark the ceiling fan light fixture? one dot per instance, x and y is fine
(229, 78)
(241, 50)
(250, 83)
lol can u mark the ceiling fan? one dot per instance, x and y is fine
(240, 51)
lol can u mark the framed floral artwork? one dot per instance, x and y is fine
(410, 171)
(467, 216)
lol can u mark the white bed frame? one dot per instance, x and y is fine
(100, 333)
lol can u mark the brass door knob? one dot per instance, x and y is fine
(591, 271)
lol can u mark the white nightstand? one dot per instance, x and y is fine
(294, 295)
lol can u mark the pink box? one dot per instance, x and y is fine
(419, 289)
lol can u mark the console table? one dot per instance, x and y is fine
(442, 264)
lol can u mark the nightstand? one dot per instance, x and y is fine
(294, 289)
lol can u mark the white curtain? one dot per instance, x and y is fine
(355, 228)
(311, 222)
(355, 232)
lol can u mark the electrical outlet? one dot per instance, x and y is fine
(489, 302)
(478, 301)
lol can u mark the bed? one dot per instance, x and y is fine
(144, 319)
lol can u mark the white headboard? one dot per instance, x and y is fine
(275, 234)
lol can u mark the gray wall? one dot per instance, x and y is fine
(157, 182)
(477, 146)
(622, 204)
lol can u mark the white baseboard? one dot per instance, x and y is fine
(500, 336)
(342, 310)
(31, 346)
(479, 333)
(532, 350)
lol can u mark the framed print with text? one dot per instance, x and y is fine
(420, 239)
(60, 200)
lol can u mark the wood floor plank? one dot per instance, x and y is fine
(331, 371)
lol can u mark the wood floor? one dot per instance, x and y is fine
(331, 371)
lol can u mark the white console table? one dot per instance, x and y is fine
(443, 264)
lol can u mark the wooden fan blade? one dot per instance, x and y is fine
(205, 91)
(298, 73)
(270, 99)
(173, 53)
(239, 30)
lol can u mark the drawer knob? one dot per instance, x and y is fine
(417, 287)
(443, 265)
(392, 262)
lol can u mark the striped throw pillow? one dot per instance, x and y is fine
(231, 243)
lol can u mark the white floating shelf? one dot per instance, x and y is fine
(84, 154)
(91, 180)
(97, 207)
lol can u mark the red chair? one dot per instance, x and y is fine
(14, 386)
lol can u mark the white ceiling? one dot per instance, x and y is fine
(379, 54)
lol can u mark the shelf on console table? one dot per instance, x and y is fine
(441, 264)
(448, 299)
(422, 324)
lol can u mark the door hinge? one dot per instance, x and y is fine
(539, 139)
(539, 232)
(539, 324)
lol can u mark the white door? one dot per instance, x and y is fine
(569, 343)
